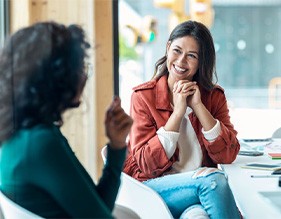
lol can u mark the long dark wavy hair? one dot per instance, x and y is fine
(41, 73)
(207, 56)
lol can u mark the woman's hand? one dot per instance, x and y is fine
(187, 93)
(117, 124)
(182, 91)
(194, 99)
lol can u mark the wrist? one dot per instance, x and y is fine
(196, 107)
(117, 144)
(178, 113)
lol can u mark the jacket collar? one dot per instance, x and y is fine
(162, 94)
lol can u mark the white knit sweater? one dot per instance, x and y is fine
(190, 153)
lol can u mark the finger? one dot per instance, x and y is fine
(175, 86)
(178, 88)
(189, 93)
(190, 87)
(119, 118)
(184, 85)
(108, 116)
(118, 112)
(124, 124)
(115, 107)
(115, 103)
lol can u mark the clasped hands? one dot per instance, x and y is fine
(185, 93)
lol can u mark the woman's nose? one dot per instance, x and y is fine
(182, 59)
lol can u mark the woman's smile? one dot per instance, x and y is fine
(182, 58)
(179, 69)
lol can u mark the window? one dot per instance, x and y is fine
(247, 41)
(4, 20)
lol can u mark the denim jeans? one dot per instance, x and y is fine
(183, 190)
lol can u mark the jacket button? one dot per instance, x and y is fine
(154, 173)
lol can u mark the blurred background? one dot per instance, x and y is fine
(247, 37)
(129, 36)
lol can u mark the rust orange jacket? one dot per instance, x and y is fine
(150, 109)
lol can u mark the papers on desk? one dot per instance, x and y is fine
(262, 166)
(253, 147)
(273, 149)
(274, 156)
(255, 144)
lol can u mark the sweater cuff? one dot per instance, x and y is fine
(213, 133)
(116, 157)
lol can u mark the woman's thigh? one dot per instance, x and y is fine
(205, 186)
(179, 191)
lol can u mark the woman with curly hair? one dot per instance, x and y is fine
(42, 75)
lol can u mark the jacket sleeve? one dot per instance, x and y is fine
(226, 146)
(146, 147)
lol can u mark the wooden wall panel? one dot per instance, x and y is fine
(103, 65)
(19, 10)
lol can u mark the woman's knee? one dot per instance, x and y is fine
(212, 177)
(207, 172)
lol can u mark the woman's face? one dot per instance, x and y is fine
(182, 58)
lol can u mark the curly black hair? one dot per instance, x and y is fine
(41, 73)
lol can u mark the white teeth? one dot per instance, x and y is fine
(179, 69)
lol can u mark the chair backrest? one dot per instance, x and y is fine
(1, 213)
(140, 198)
(277, 133)
(11, 210)
(122, 212)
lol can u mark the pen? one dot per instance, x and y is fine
(264, 176)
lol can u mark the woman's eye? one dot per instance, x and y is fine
(177, 51)
(192, 56)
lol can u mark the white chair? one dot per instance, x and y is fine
(1, 213)
(277, 133)
(11, 210)
(122, 212)
(140, 198)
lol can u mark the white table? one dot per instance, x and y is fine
(246, 189)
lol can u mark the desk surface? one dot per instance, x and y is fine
(247, 190)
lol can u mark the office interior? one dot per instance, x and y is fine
(129, 36)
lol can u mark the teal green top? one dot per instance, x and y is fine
(40, 172)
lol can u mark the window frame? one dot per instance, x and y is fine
(4, 20)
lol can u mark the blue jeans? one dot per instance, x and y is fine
(183, 190)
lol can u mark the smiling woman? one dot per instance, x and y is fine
(182, 128)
